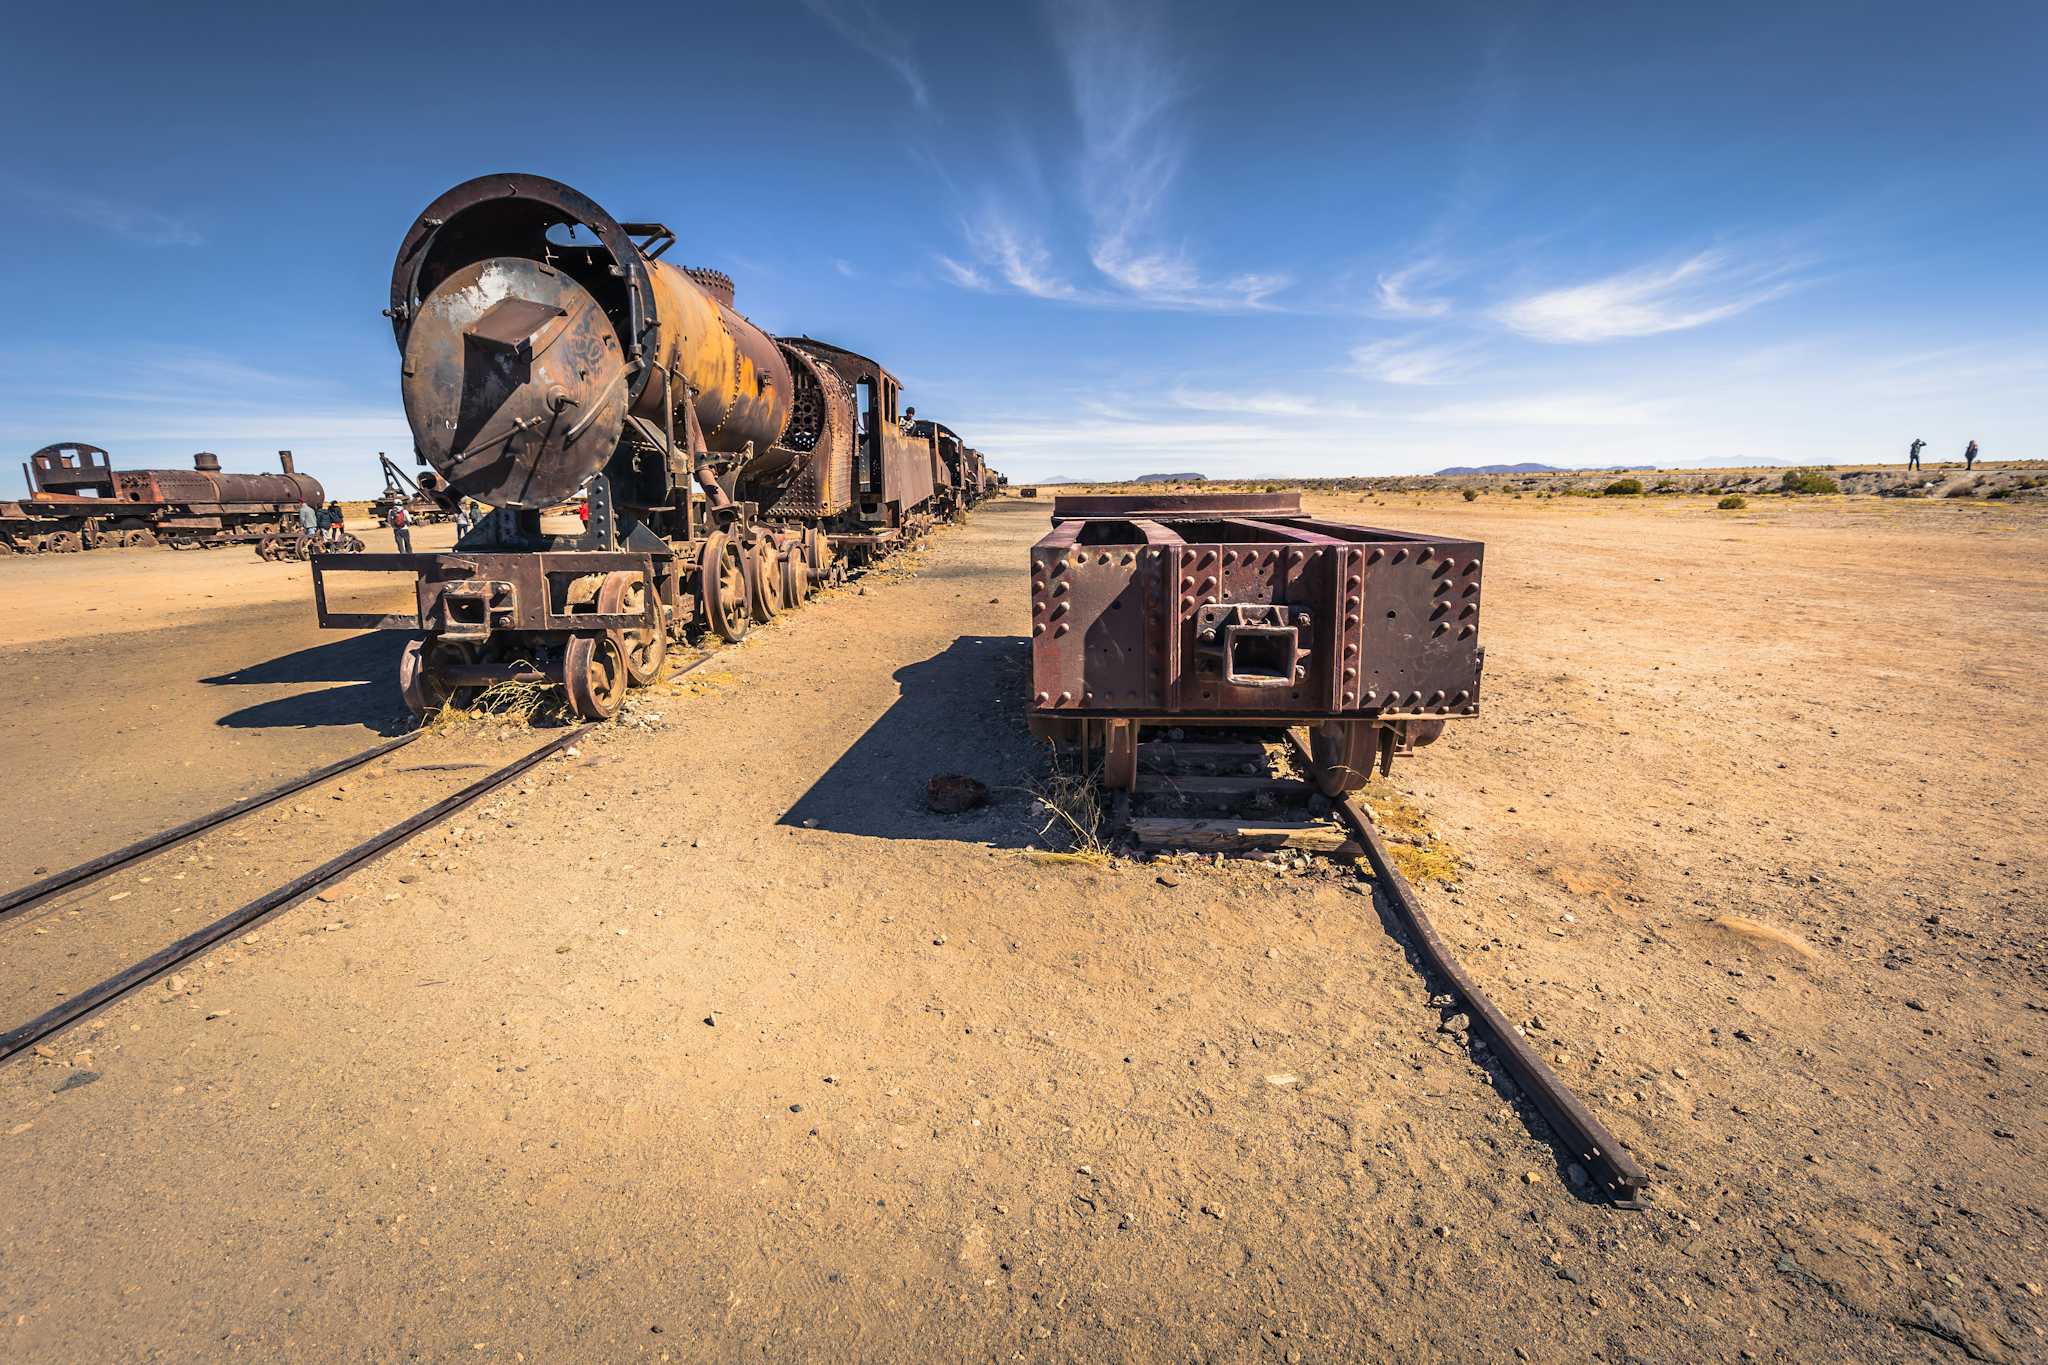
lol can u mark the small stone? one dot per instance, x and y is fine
(1913, 1004)
(1569, 1274)
(1214, 1211)
(710, 1022)
(75, 1080)
(1283, 1078)
(939, 942)
(1576, 1174)
(1530, 1177)
(1167, 879)
(952, 793)
(176, 985)
(796, 1109)
(218, 1014)
(120, 895)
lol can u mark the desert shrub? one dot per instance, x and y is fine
(1622, 488)
(1808, 481)
(1734, 502)
(1667, 487)
(1471, 495)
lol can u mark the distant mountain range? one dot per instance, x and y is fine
(1170, 478)
(1502, 469)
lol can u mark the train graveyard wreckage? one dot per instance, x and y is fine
(1232, 624)
(549, 355)
(77, 501)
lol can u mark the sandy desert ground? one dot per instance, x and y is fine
(711, 1042)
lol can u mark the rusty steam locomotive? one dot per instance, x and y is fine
(549, 356)
(78, 501)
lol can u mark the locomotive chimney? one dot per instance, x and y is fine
(206, 462)
(284, 458)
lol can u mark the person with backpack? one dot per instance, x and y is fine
(1969, 457)
(1913, 453)
(401, 530)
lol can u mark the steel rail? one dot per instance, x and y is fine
(89, 1001)
(26, 897)
(1614, 1173)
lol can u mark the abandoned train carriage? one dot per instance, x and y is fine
(1187, 610)
(548, 353)
(78, 501)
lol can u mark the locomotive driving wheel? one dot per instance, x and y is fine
(140, 540)
(796, 576)
(594, 675)
(818, 554)
(1343, 752)
(722, 588)
(418, 675)
(625, 594)
(65, 542)
(764, 582)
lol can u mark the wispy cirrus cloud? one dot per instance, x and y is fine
(1407, 360)
(1396, 295)
(861, 23)
(1704, 288)
(130, 221)
(1126, 88)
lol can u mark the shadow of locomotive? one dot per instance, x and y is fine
(961, 711)
(374, 704)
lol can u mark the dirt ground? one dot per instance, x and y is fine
(711, 1042)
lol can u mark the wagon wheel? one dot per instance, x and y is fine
(141, 540)
(625, 594)
(1120, 755)
(764, 582)
(796, 576)
(594, 675)
(1343, 752)
(65, 542)
(7, 547)
(722, 587)
(419, 675)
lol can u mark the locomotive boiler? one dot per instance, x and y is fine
(78, 501)
(549, 357)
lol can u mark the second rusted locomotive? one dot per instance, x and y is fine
(78, 501)
(550, 357)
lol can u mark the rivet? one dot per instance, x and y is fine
(1066, 698)
(1435, 697)
(1128, 559)
(1042, 698)
(1350, 620)
(1473, 567)
(1350, 675)
(1356, 583)
(1229, 558)
(1208, 585)
(1375, 556)
(1060, 608)
(1088, 699)
(1424, 553)
(1104, 559)
(1187, 585)
(1464, 632)
(1351, 651)
(1414, 698)
(1461, 697)
(1061, 629)
(1038, 629)
(1060, 589)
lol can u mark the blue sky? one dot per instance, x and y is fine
(1099, 239)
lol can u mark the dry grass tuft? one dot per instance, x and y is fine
(1072, 805)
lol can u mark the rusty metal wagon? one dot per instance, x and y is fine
(1227, 609)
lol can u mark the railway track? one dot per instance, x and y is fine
(22, 1038)
(1222, 772)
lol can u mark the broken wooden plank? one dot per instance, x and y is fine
(1239, 836)
(1187, 784)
